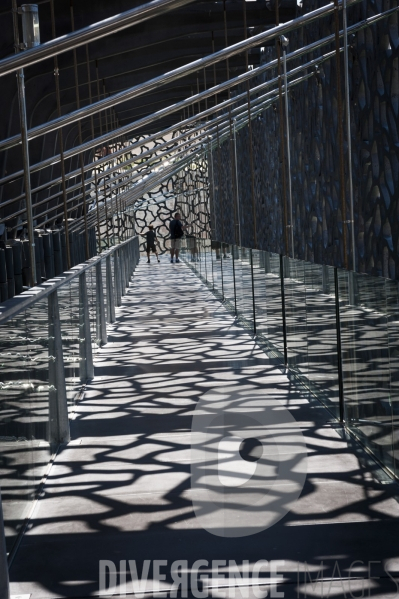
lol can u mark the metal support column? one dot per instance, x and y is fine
(348, 132)
(85, 349)
(281, 128)
(284, 43)
(81, 156)
(250, 137)
(25, 150)
(212, 187)
(219, 150)
(58, 404)
(231, 140)
(93, 137)
(237, 188)
(340, 133)
(61, 141)
(110, 292)
(101, 321)
(4, 583)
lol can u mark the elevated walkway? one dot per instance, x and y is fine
(121, 490)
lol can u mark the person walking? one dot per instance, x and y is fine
(151, 238)
(176, 233)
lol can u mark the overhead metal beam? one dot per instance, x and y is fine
(235, 81)
(187, 122)
(187, 69)
(89, 34)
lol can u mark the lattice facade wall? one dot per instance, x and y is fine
(186, 192)
(318, 222)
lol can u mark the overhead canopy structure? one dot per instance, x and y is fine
(135, 54)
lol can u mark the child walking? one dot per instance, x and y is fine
(151, 240)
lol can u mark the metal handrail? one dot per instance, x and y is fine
(26, 299)
(89, 34)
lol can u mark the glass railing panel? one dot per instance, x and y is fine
(37, 329)
(201, 258)
(248, 302)
(76, 382)
(92, 300)
(365, 362)
(227, 261)
(68, 301)
(238, 280)
(217, 267)
(197, 264)
(24, 413)
(392, 303)
(259, 274)
(243, 283)
(184, 254)
(16, 454)
(322, 334)
(207, 257)
(27, 393)
(188, 250)
(104, 278)
(295, 313)
(274, 304)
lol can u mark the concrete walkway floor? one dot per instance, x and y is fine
(180, 382)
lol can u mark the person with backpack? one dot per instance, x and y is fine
(176, 233)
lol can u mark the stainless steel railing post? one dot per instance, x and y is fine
(59, 431)
(130, 260)
(117, 274)
(110, 292)
(85, 349)
(4, 583)
(102, 324)
(122, 271)
(126, 250)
